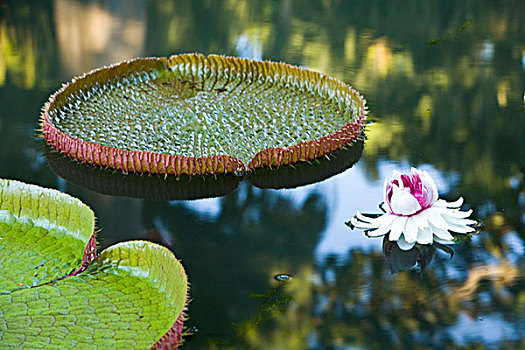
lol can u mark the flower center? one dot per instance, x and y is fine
(417, 190)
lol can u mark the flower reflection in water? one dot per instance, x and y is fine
(417, 258)
(414, 214)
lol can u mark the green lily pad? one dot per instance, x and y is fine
(55, 292)
(193, 114)
(45, 235)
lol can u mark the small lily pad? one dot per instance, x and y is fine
(54, 291)
(193, 114)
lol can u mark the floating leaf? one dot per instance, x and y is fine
(292, 176)
(193, 114)
(45, 235)
(150, 187)
(55, 292)
(185, 187)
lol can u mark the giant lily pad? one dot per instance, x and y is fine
(305, 173)
(55, 292)
(193, 114)
(151, 187)
(184, 187)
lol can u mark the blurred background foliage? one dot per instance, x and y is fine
(445, 83)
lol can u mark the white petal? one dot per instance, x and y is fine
(429, 184)
(398, 226)
(442, 241)
(459, 225)
(365, 223)
(361, 216)
(456, 204)
(396, 175)
(364, 218)
(355, 222)
(435, 219)
(362, 225)
(441, 233)
(386, 186)
(456, 221)
(455, 212)
(411, 229)
(421, 219)
(404, 203)
(424, 235)
(384, 227)
(404, 245)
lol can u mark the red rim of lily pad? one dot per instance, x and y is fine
(161, 163)
(154, 187)
(305, 173)
(172, 339)
(44, 233)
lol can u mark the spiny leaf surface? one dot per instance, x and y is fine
(43, 234)
(197, 106)
(128, 297)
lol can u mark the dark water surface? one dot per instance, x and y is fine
(445, 83)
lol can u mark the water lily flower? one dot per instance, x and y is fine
(414, 214)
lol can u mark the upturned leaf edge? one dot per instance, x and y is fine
(167, 164)
(31, 203)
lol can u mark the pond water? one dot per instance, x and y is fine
(279, 269)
